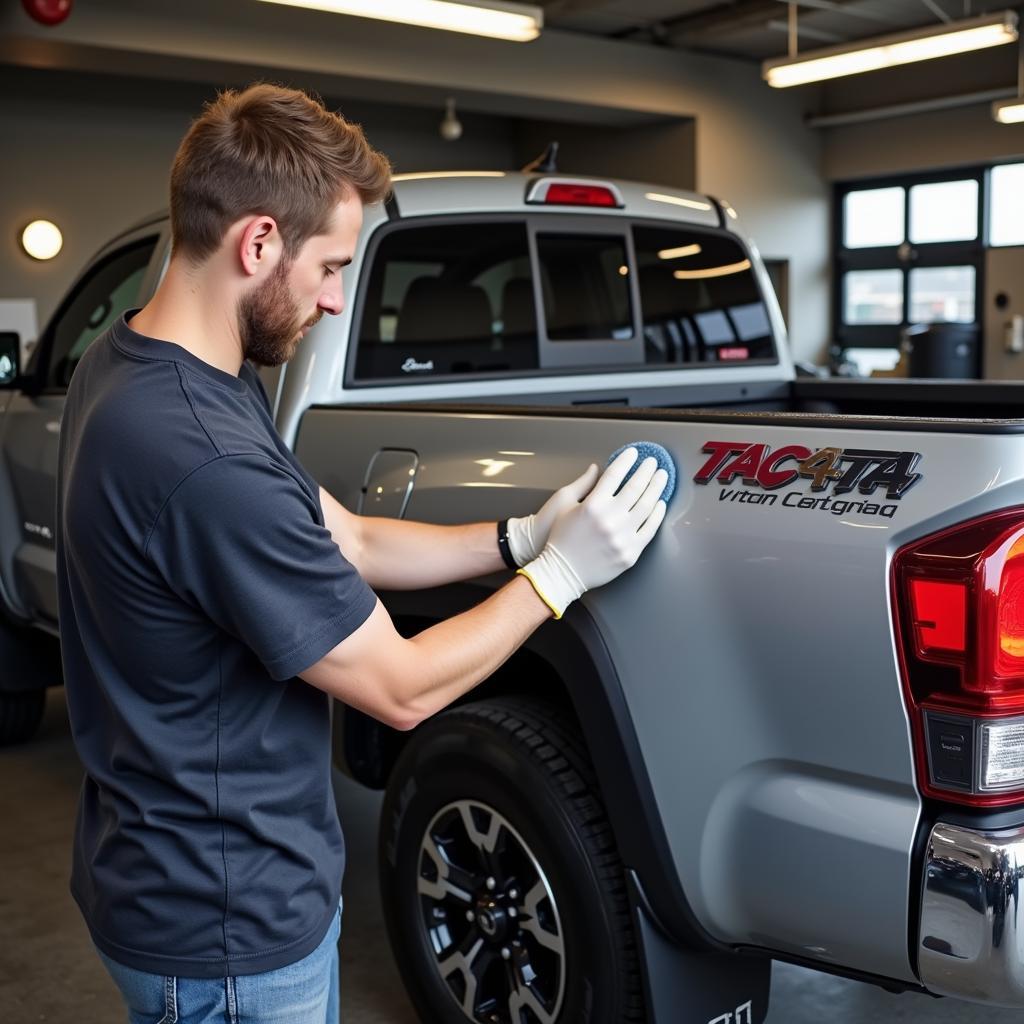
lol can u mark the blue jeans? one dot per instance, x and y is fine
(305, 992)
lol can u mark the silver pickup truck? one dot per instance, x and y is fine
(795, 731)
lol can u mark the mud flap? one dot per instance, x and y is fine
(686, 986)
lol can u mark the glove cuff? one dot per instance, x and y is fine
(554, 580)
(520, 539)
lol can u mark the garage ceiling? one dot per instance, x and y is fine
(755, 29)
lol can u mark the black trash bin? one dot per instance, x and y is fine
(942, 350)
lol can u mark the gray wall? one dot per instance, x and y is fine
(664, 152)
(93, 154)
(923, 141)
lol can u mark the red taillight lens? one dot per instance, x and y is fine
(940, 616)
(580, 195)
(959, 615)
(1010, 621)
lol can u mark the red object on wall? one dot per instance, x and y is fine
(47, 12)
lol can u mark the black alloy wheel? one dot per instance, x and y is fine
(503, 892)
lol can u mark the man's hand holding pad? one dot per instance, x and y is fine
(594, 541)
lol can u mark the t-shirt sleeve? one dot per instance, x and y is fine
(240, 539)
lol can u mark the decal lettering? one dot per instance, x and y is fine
(822, 467)
(411, 366)
(746, 465)
(895, 471)
(769, 476)
(719, 451)
(742, 1015)
(840, 471)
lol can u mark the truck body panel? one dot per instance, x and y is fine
(775, 733)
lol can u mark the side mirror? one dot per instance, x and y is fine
(10, 359)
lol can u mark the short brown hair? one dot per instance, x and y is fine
(268, 149)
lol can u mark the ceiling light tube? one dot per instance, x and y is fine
(892, 50)
(493, 18)
(1009, 111)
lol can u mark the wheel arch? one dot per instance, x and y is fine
(566, 662)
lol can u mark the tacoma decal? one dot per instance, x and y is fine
(839, 470)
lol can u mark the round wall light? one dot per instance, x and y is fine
(42, 240)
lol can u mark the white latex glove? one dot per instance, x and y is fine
(599, 539)
(527, 535)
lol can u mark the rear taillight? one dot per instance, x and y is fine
(569, 192)
(580, 195)
(958, 601)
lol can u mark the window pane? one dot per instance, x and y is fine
(109, 289)
(448, 298)
(942, 294)
(699, 298)
(873, 216)
(868, 360)
(586, 287)
(873, 297)
(945, 211)
(1007, 214)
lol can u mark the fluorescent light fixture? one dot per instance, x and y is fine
(891, 50)
(697, 275)
(683, 250)
(1009, 111)
(493, 18)
(423, 175)
(42, 240)
(692, 204)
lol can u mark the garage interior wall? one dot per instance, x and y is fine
(688, 119)
(960, 135)
(95, 153)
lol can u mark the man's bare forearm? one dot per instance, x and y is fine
(402, 681)
(400, 555)
(457, 654)
(394, 554)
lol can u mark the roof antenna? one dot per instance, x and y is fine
(546, 163)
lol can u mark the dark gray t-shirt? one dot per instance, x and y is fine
(195, 579)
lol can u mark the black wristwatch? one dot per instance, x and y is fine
(506, 551)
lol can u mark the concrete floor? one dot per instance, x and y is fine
(48, 971)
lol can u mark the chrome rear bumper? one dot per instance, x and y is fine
(972, 927)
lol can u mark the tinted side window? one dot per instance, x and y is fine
(448, 298)
(700, 300)
(107, 290)
(586, 287)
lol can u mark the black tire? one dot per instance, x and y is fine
(465, 769)
(20, 715)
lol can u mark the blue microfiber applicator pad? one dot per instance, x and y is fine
(651, 450)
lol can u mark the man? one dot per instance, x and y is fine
(213, 597)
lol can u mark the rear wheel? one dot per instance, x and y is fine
(504, 895)
(20, 715)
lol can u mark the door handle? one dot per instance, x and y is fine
(390, 477)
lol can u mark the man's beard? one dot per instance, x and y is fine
(269, 320)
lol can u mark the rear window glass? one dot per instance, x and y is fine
(448, 299)
(585, 283)
(699, 298)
